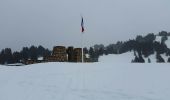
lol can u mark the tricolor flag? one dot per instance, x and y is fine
(82, 25)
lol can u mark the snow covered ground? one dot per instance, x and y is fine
(88, 81)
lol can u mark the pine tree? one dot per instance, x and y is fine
(159, 58)
(149, 60)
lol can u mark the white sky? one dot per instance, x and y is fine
(57, 22)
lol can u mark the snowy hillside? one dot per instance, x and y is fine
(117, 58)
(127, 57)
(88, 81)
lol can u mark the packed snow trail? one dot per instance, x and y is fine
(89, 81)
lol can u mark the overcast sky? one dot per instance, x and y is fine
(57, 22)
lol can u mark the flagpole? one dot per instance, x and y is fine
(82, 30)
(82, 47)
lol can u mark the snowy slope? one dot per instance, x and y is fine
(127, 57)
(89, 81)
(117, 58)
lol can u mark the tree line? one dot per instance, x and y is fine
(33, 52)
(142, 46)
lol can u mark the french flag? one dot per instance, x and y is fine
(82, 25)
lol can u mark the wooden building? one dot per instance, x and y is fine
(70, 52)
(75, 54)
(59, 54)
(78, 54)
